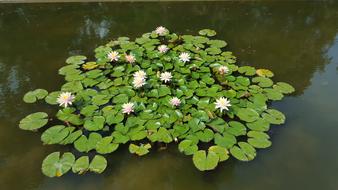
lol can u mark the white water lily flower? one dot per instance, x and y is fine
(128, 108)
(114, 56)
(130, 58)
(138, 82)
(161, 31)
(166, 77)
(162, 48)
(140, 74)
(184, 57)
(223, 70)
(223, 104)
(175, 101)
(65, 99)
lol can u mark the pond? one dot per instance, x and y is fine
(298, 41)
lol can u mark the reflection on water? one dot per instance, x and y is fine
(298, 41)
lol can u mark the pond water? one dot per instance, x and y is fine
(298, 41)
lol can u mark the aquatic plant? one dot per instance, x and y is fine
(160, 88)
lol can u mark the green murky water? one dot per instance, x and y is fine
(298, 41)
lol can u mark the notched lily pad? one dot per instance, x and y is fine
(55, 166)
(34, 121)
(33, 96)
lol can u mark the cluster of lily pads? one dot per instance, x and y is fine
(158, 89)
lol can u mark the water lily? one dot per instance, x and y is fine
(223, 70)
(65, 99)
(161, 31)
(184, 57)
(140, 74)
(175, 101)
(130, 58)
(114, 56)
(166, 77)
(128, 108)
(162, 48)
(138, 82)
(223, 104)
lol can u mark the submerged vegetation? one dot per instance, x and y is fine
(159, 89)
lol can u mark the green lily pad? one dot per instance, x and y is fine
(207, 32)
(77, 59)
(33, 96)
(222, 152)
(84, 144)
(98, 164)
(247, 70)
(204, 162)
(274, 116)
(188, 147)
(262, 81)
(245, 152)
(51, 98)
(55, 134)
(141, 150)
(81, 165)
(97, 123)
(34, 121)
(55, 166)
(218, 125)
(264, 73)
(283, 87)
(105, 145)
(247, 114)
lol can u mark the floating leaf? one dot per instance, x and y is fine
(81, 165)
(247, 114)
(244, 152)
(220, 151)
(264, 73)
(218, 125)
(207, 32)
(274, 116)
(51, 98)
(188, 147)
(98, 164)
(262, 81)
(105, 145)
(139, 150)
(77, 59)
(203, 162)
(55, 166)
(89, 65)
(33, 96)
(34, 121)
(54, 134)
(97, 123)
(283, 87)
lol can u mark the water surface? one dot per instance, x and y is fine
(298, 41)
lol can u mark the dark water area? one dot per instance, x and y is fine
(296, 40)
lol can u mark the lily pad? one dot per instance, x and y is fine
(141, 150)
(81, 165)
(207, 32)
(264, 73)
(55, 166)
(34, 121)
(274, 116)
(204, 161)
(247, 114)
(54, 134)
(98, 164)
(283, 87)
(188, 147)
(33, 96)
